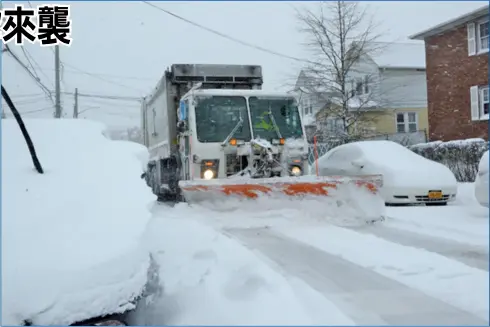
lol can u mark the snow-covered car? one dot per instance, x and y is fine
(407, 177)
(72, 250)
(481, 181)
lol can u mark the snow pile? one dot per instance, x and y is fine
(71, 237)
(211, 279)
(138, 150)
(398, 165)
(482, 181)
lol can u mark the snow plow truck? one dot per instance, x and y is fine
(213, 133)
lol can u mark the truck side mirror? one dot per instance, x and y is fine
(181, 126)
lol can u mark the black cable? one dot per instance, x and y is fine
(100, 78)
(108, 97)
(29, 62)
(228, 37)
(18, 118)
(28, 54)
(38, 82)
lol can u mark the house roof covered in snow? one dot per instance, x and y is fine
(450, 24)
(399, 55)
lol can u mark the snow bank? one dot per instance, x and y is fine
(437, 276)
(398, 165)
(211, 279)
(482, 181)
(483, 165)
(138, 150)
(71, 237)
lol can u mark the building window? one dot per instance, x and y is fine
(483, 101)
(334, 125)
(366, 84)
(309, 107)
(482, 37)
(406, 122)
(360, 86)
(479, 96)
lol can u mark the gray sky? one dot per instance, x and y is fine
(126, 46)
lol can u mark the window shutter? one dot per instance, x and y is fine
(475, 104)
(471, 39)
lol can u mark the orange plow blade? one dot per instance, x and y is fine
(288, 187)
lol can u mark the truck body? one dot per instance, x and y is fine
(215, 122)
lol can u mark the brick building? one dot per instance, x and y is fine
(457, 76)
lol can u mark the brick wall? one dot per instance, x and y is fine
(450, 74)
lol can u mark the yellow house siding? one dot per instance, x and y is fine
(386, 123)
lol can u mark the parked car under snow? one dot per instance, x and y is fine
(407, 177)
(482, 181)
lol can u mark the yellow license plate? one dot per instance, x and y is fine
(435, 195)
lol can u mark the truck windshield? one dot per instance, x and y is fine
(281, 111)
(217, 116)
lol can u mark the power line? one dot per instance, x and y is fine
(36, 79)
(29, 62)
(28, 55)
(113, 104)
(34, 111)
(106, 75)
(96, 76)
(103, 96)
(228, 37)
(27, 95)
(101, 78)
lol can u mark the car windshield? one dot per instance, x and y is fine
(217, 116)
(270, 113)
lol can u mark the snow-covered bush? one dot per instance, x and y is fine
(461, 156)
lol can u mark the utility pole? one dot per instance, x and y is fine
(75, 106)
(57, 113)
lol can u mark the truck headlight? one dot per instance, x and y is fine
(296, 171)
(209, 168)
(208, 174)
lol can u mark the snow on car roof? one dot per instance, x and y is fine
(389, 153)
(71, 235)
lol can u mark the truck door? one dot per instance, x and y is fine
(184, 141)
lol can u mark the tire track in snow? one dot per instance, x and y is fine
(367, 297)
(471, 255)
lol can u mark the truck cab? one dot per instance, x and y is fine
(219, 128)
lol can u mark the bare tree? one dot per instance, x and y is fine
(339, 35)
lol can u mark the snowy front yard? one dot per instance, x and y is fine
(284, 265)
(71, 237)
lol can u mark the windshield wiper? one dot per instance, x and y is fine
(235, 129)
(276, 128)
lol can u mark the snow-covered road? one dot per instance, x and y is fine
(276, 265)
(367, 297)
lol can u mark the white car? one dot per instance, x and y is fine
(481, 181)
(407, 177)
